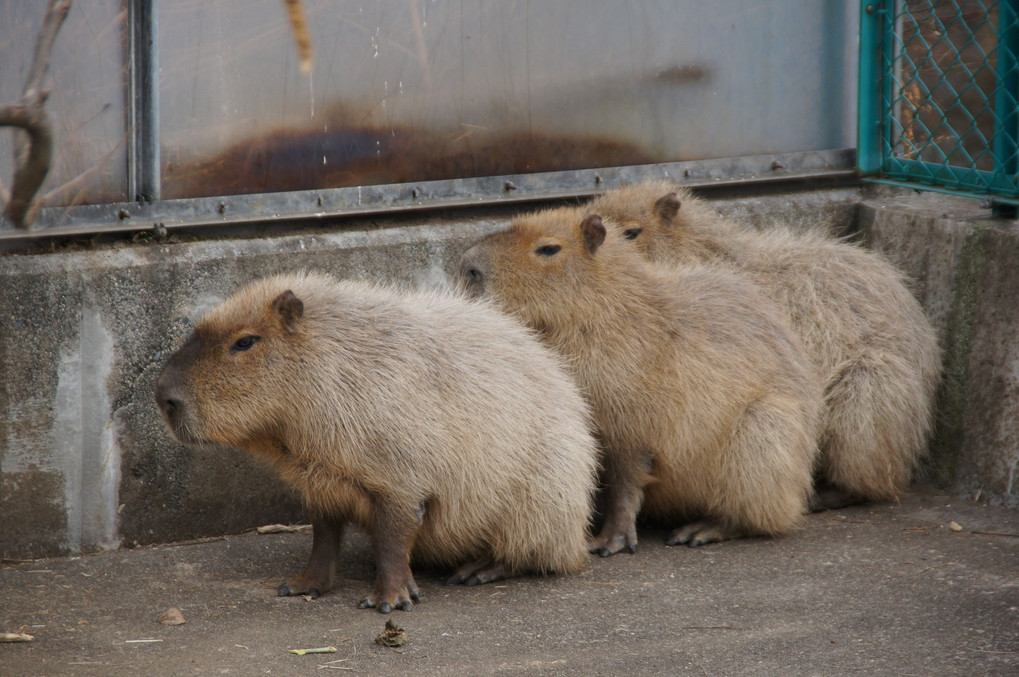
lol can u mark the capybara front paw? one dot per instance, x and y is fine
(702, 533)
(610, 542)
(304, 585)
(385, 601)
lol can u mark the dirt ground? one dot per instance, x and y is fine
(868, 590)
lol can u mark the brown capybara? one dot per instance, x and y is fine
(707, 409)
(864, 331)
(439, 425)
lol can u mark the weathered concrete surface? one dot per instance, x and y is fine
(966, 264)
(869, 590)
(85, 462)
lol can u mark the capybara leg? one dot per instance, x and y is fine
(618, 533)
(477, 572)
(393, 529)
(702, 533)
(318, 576)
(624, 492)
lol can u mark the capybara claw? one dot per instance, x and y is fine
(292, 588)
(605, 546)
(385, 603)
(286, 591)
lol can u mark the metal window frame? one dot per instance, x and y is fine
(875, 151)
(317, 206)
(143, 175)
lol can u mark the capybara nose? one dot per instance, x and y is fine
(169, 405)
(168, 401)
(471, 277)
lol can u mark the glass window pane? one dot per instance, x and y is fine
(411, 90)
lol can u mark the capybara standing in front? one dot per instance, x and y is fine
(865, 332)
(707, 409)
(439, 425)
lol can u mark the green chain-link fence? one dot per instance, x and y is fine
(939, 84)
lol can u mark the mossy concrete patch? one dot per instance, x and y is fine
(966, 265)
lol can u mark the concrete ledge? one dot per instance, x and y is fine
(85, 463)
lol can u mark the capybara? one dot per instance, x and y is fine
(863, 329)
(706, 407)
(440, 426)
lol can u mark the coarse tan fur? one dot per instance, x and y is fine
(863, 328)
(432, 417)
(705, 404)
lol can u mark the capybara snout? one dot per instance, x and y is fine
(171, 393)
(168, 397)
(472, 276)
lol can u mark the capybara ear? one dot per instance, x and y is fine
(290, 308)
(593, 231)
(667, 207)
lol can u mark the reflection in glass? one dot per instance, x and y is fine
(411, 90)
(86, 102)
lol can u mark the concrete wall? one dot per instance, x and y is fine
(86, 464)
(966, 264)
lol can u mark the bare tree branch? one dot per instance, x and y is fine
(32, 154)
(29, 174)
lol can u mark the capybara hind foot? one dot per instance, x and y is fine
(385, 598)
(831, 498)
(702, 533)
(477, 572)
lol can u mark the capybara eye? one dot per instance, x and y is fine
(548, 250)
(632, 233)
(244, 343)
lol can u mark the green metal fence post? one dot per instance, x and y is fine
(869, 119)
(1006, 109)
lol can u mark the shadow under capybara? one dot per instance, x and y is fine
(706, 407)
(862, 327)
(439, 425)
